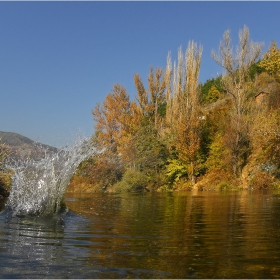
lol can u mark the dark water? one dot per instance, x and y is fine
(150, 235)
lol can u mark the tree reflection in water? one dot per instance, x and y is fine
(147, 235)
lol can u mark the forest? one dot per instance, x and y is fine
(180, 134)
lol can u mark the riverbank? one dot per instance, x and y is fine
(206, 184)
(214, 181)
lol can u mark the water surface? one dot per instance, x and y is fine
(147, 235)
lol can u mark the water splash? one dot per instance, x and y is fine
(39, 186)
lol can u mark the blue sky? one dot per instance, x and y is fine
(58, 59)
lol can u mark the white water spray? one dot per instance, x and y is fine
(39, 186)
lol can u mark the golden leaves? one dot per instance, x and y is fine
(271, 60)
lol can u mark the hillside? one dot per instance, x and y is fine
(23, 147)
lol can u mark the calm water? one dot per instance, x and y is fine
(169, 235)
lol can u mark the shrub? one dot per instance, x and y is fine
(217, 179)
(132, 181)
(262, 180)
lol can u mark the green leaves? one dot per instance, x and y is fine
(175, 170)
(132, 181)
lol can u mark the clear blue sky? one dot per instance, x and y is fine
(58, 59)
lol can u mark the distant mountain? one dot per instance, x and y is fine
(25, 148)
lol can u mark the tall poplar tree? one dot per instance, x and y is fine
(183, 107)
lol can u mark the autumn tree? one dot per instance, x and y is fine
(115, 121)
(112, 117)
(235, 83)
(183, 107)
(271, 60)
(152, 100)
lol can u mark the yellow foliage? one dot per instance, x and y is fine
(271, 60)
(265, 136)
(183, 107)
(213, 94)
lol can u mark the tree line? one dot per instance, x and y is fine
(179, 133)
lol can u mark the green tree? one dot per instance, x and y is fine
(217, 158)
(175, 170)
(132, 181)
(206, 87)
(213, 94)
(255, 70)
(151, 153)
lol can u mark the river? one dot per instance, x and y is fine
(227, 234)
